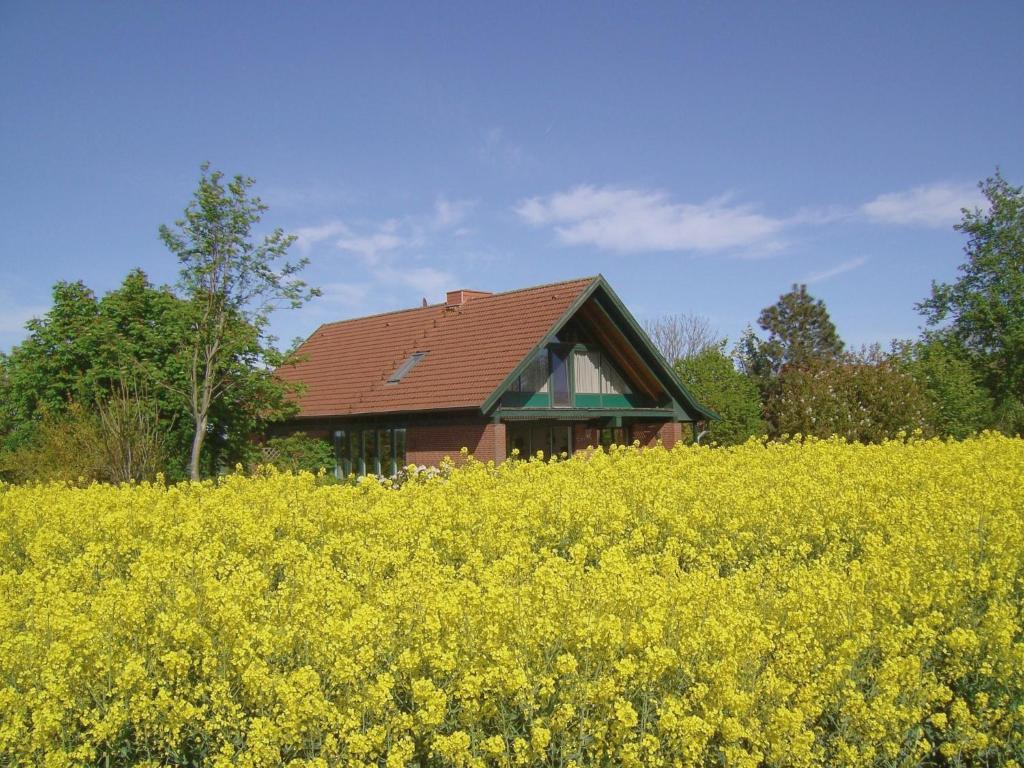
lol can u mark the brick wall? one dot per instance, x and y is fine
(669, 433)
(584, 437)
(427, 445)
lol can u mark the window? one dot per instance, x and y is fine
(399, 444)
(560, 395)
(385, 450)
(369, 451)
(594, 373)
(355, 453)
(370, 456)
(587, 371)
(342, 455)
(612, 382)
(403, 370)
(612, 436)
(535, 377)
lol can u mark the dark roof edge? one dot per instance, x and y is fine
(665, 370)
(585, 294)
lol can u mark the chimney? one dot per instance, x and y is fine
(462, 296)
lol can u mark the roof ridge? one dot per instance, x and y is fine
(588, 278)
(381, 314)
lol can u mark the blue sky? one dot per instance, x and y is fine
(702, 156)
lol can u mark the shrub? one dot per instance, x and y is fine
(866, 398)
(298, 452)
(714, 381)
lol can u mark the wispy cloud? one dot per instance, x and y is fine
(838, 269)
(932, 205)
(307, 237)
(636, 220)
(450, 213)
(430, 282)
(350, 296)
(498, 150)
(391, 252)
(13, 318)
(371, 247)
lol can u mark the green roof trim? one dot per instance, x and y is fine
(620, 316)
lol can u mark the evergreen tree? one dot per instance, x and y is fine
(800, 331)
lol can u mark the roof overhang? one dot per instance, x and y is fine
(686, 405)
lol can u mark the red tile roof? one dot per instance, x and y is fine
(471, 348)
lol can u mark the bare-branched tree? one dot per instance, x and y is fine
(130, 434)
(681, 336)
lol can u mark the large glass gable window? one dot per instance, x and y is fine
(561, 396)
(535, 377)
(594, 373)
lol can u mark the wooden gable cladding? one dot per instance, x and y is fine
(607, 334)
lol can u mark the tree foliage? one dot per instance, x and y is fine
(960, 403)
(84, 348)
(863, 397)
(231, 283)
(800, 331)
(713, 379)
(983, 309)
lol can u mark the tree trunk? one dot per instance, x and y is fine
(197, 447)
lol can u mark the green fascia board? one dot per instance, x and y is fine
(662, 369)
(594, 400)
(495, 396)
(583, 414)
(526, 400)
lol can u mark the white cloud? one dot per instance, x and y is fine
(307, 237)
(633, 220)
(497, 150)
(371, 247)
(371, 242)
(429, 282)
(450, 213)
(839, 269)
(932, 205)
(347, 295)
(13, 318)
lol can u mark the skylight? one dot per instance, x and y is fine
(403, 370)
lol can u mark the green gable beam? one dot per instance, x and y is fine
(656, 362)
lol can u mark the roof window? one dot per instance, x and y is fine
(403, 370)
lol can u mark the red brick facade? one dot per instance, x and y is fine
(428, 445)
(669, 433)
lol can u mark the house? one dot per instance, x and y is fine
(554, 368)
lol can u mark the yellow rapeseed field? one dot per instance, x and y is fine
(789, 604)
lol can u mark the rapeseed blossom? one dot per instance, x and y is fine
(804, 603)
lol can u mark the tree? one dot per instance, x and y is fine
(799, 331)
(713, 379)
(983, 309)
(87, 350)
(231, 284)
(961, 404)
(679, 337)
